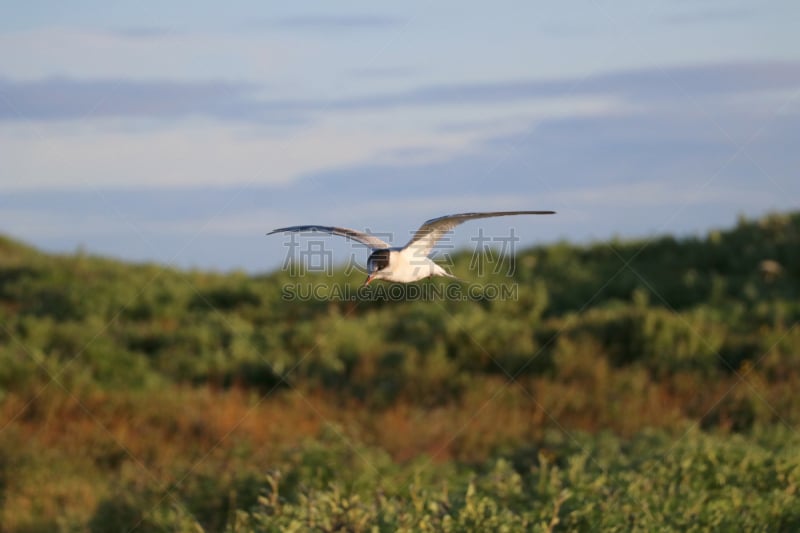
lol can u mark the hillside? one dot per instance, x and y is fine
(142, 396)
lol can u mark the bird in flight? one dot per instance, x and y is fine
(411, 262)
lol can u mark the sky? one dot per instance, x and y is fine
(182, 133)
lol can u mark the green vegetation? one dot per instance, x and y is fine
(627, 386)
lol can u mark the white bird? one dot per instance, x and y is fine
(411, 262)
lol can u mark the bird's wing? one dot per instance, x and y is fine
(431, 231)
(364, 238)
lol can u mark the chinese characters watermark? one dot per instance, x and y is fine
(313, 254)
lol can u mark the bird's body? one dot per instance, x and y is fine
(411, 262)
(402, 266)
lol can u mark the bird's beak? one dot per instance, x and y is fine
(369, 279)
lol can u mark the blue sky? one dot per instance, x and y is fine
(182, 133)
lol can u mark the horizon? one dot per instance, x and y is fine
(336, 247)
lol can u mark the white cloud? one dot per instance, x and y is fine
(190, 153)
(124, 152)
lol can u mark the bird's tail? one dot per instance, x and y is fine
(444, 273)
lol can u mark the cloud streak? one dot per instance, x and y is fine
(69, 99)
(338, 22)
(639, 84)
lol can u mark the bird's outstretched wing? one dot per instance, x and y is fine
(365, 238)
(431, 231)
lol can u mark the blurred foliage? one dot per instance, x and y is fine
(142, 397)
(650, 483)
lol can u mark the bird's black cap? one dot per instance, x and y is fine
(378, 260)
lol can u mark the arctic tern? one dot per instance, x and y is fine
(411, 262)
